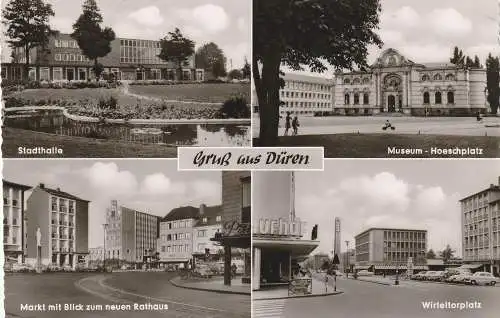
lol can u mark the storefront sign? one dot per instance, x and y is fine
(281, 227)
(234, 228)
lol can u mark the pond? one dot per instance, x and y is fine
(207, 135)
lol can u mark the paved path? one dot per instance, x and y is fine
(462, 126)
(268, 308)
(214, 285)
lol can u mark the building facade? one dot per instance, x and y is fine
(130, 235)
(206, 226)
(96, 255)
(279, 240)
(306, 95)
(57, 228)
(396, 84)
(129, 59)
(13, 221)
(481, 228)
(383, 249)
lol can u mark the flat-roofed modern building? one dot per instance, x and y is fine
(131, 235)
(129, 59)
(481, 228)
(62, 221)
(13, 221)
(386, 249)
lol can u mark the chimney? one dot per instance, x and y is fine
(58, 189)
(202, 209)
(42, 185)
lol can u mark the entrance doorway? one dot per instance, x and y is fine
(391, 103)
(70, 74)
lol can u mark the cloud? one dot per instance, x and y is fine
(205, 189)
(106, 178)
(242, 24)
(148, 16)
(158, 183)
(62, 24)
(449, 22)
(389, 36)
(404, 17)
(207, 18)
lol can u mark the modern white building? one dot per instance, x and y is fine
(396, 84)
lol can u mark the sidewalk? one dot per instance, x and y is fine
(214, 285)
(318, 290)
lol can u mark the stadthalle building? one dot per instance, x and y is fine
(396, 84)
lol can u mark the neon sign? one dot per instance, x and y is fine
(281, 227)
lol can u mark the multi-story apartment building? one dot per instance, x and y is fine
(131, 235)
(306, 95)
(57, 228)
(13, 221)
(96, 255)
(389, 249)
(206, 226)
(129, 59)
(481, 228)
(176, 236)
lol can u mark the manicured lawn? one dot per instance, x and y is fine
(77, 147)
(213, 93)
(376, 145)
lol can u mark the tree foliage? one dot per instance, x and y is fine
(93, 40)
(493, 82)
(300, 33)
(430, 254)
(176, 48)
(27, 26)
(212, 59)
(246, 71)
(447, 253)
(235, 74)
(464, 61)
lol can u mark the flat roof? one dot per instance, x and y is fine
(389, 229)
(308, 78)
(17, 185)
(492, 187)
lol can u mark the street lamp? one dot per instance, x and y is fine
(105, 227)
(347, 255)
(397, 275)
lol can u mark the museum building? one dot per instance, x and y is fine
(396, 84)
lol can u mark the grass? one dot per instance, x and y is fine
(212, 93)
(376, 145)
(79, 147)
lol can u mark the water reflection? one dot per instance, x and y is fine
(53, 121)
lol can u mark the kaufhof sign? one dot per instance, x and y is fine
(278, 227)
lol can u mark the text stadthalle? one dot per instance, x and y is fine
(39, 150)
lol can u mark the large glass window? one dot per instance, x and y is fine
(44, 74)
(438, 98)
(451, 98)
(426, 98)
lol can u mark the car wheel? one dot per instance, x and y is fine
(473, 282)
(493, 283)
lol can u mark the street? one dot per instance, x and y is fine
(465, 126)
(370, 300)
(133, 294)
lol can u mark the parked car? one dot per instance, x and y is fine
(427, 275)
(481, 278)
(437, 276)
(418, 276)
(365, 273)
(459, 278)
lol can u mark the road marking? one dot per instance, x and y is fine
(268, 308)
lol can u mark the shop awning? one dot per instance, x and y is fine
(470, 266)
(174, 260)
(297, 248)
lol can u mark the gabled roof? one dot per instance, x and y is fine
(211, 213)
(181, 213)
(61, 194)
(16, 185)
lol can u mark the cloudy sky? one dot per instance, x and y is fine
(225, 22)
(428, 30)
(415, 194)
(153, 186)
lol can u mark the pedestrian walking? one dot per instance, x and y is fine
(295, 125)
(288, 119)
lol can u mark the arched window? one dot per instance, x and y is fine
(451, 98)
(356, 99)
(425, 78)
(438, 98)
(356, 81)
(366, 99)
(347, 81)
(426, 98)
(347, 99)
(366, 80)
(437, 77)
(450, 77)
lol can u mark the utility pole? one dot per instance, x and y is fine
(347, 255)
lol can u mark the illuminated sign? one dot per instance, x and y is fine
(282, 227)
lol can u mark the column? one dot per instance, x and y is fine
(405, 90)
(256, 261)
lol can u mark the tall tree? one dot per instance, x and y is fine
(27, 23)
(301, 33)
(246, 70)
(212, 59)
(458, 57)
(477, 62)
(493, 82)
(234, 74)
(447, 253)
(469, 62)
(430, 254)
(176, 48)
(93, 40)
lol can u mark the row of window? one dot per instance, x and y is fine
(347, 99)
(307, 86)
(357, 81)
(175, 248)
(304, 95)
(410, 245)
(140, 43)
(438, 77)
(438, 99)
(305, 104)
(66, 43)
(66, 57)
(388, 235)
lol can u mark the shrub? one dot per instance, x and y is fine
(14, 102)
(235, 107)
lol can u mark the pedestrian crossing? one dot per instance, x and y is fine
(268, 308)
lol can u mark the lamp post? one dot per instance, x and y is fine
(347, 255)
(397, 275)
(105, 227)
